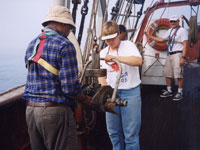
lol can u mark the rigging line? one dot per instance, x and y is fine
(94, 36)
(139, 14)
(115, 10)
(149, 23)
(192, 9)
(195, 11)
(153, 64)
(121, 4)
(153, 56)
(165, 9)
(151, 15)
(118, 8)
(132, 35)
(160, 18)
(94, 24)
(120, 12)
(134, 14)
(102, 43)
(129, 11)
(124, 11)
(85, 51)
(105, 17)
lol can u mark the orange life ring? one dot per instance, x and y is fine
(160, 24)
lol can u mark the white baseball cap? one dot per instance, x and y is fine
(174, 18)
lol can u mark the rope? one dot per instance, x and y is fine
(95, 34)
(139, 14)
(120, 11)
(164, 9)
(149, 21)
(128, 11)
(153, 56)
(134, 14)
(106, 12)
(117, 10)
(88, 39)
(102, 43)
(151, 14)
(193, 30)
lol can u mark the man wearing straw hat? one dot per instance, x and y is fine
(52, 84)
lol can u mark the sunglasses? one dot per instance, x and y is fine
(172, 21)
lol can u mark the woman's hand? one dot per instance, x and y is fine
(109, 58)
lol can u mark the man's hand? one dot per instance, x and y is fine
(182, 61)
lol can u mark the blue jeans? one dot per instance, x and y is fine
(123, 129)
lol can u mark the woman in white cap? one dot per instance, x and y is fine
(52, 84)
(177, 38)
(125, 127)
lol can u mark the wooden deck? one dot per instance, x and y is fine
(166, 124)
(161, 121)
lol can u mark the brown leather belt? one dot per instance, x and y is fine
(44, 104)
(172, 53)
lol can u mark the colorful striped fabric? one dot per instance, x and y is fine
(43, 86)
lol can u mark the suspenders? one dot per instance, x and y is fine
(37, 52)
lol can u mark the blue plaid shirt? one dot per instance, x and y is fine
(43, 86)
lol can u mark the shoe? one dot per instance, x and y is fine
(178, 97)
(166, 93)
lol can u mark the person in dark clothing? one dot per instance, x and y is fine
(123, 32)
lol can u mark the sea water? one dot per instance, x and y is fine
(12, 70)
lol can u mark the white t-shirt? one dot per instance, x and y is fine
(130, 77)
(181, 35)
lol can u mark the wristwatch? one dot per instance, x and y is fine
(183, 57)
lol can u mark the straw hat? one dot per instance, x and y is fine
(59, 14)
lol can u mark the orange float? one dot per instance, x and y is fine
(160, 24)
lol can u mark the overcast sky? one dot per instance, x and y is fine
(20, 23)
